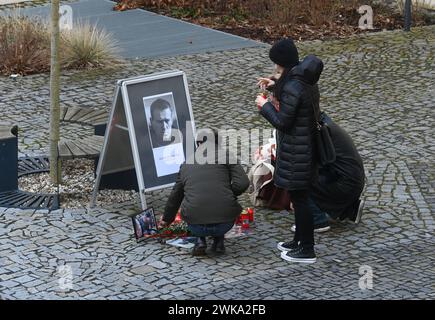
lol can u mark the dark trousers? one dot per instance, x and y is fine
(210, 230)
(319, 216)
(303, 217)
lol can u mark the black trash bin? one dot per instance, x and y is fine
(8, 158)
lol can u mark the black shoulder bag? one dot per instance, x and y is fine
(325, 147)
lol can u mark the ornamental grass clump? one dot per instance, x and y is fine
(86, 46)
(25, 46)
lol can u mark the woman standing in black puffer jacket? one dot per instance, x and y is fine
(293, 115)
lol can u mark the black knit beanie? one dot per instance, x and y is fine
(284, 53)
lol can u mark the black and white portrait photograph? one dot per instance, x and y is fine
(164, 133)
(162, 119)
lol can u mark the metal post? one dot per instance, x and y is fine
(408, 15)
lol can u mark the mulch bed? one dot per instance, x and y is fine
(341, 25)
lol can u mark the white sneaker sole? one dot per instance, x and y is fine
(298, 260)
(281, 248)
(360, 211)
(318, 230)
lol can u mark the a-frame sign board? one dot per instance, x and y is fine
(151, 131)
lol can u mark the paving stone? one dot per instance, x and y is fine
(24, 279)
(9, 284)
(158, 265)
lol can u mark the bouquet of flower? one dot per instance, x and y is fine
(176, 229)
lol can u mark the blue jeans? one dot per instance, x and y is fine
(319, 216)
(210, 230)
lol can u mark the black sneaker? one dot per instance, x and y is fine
(200, 247)
(318, 228)
(218, 245)
(288, 246)
(300, 255)
(356, 214)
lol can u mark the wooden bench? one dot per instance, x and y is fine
(88, 147)
(86, 116)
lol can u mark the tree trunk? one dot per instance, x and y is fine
(54, 93)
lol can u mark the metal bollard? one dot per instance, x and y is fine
(408, 15)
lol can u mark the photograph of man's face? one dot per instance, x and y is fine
(162, 119)
(161, 122)
(165, 137)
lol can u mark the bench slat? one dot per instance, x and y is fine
(82, 112)
(70, 113)
(63, 111)
(87, 151)
(76, 152)
(96, 113)
(94, 145)
(96, 141)
(89, 147)
(102, 118)
(63, 150)
(101, 122)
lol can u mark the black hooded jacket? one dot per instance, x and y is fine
(340, 184)
(296, 162)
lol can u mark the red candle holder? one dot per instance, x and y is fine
(238, 220)
(251, 214)
(245, 220)
(178, 217)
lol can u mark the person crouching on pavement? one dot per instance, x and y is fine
(337, 192)
(207, 194)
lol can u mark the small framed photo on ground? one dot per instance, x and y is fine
(145, 224)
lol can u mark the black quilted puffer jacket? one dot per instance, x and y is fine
(296, 163)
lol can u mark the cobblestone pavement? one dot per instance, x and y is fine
(378, 87)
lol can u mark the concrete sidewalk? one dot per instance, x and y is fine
(143, 34)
